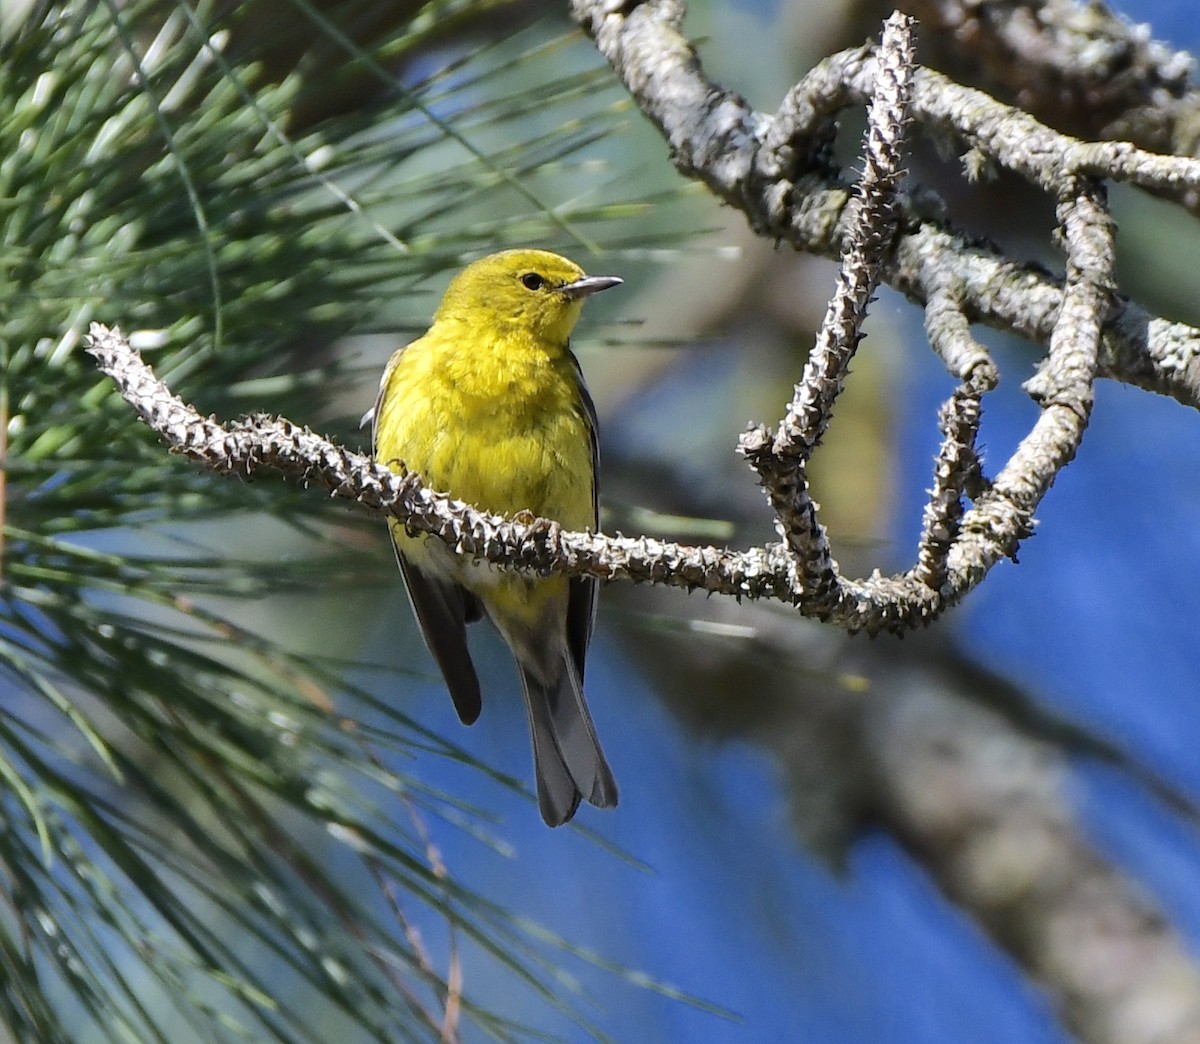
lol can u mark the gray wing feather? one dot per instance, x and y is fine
(442, 608)
(581, 608)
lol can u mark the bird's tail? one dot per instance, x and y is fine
(566, 754)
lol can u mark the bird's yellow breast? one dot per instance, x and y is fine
(495, 419)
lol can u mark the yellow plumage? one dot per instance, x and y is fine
(489, 406)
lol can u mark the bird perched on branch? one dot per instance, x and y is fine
(490, 406)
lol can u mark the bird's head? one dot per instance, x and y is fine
(531, 290)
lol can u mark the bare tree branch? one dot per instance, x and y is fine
(959, 544)
(262, 442)
(779, 171)
(1078, 66)
(785, 572)
(782, 461)
(775, 169)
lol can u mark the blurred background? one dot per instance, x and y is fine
(237, 802)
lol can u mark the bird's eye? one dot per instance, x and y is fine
(532, 281)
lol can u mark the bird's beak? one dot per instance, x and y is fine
(589, 285)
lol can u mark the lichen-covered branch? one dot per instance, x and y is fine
(1080, 66)
(957, 475)
(776, 170)
(779, 171)
(959, 543)
(782, 460)
(264, 443)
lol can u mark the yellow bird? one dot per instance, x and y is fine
(490, 406)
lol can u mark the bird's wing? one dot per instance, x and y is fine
(581, 606)
(372, 415)
(441, 607)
